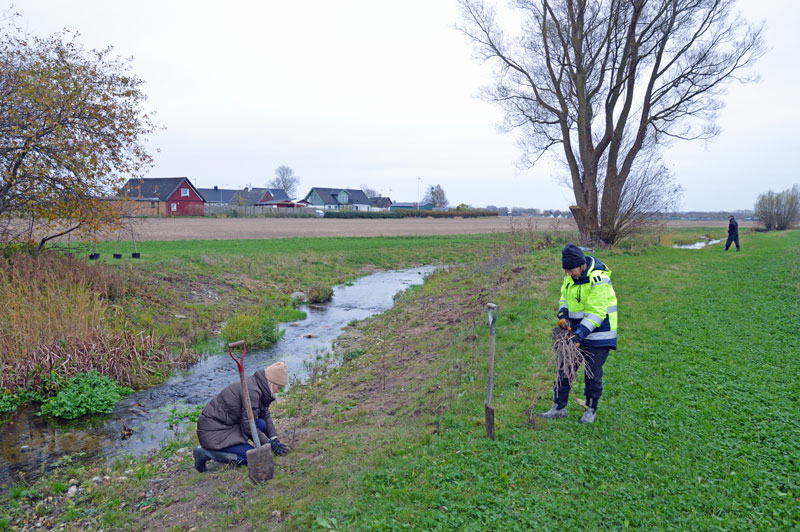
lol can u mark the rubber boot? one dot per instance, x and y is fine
(202, 455)
(588, 415)
(554, 412)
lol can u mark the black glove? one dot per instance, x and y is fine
(563, 314)
(279, 448)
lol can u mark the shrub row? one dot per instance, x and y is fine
(362, 214)
(411, 213)
(453, 213)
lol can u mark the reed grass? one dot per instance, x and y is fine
(60, 316)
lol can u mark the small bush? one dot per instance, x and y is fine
(89, 393)
(320, 294)
(257, 330)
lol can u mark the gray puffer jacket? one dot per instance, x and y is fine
(224, 420)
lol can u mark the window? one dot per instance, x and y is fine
(173, 207)
(184, 192)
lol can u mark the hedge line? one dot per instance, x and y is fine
(361, 214)
(455, 213)
(411, 213)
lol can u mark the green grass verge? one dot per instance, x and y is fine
(697, 429)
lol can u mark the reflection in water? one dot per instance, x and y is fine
(29, 443)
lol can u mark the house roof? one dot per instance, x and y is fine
(254, 196)
(278, 194)
(155, 188)
(329, 196)
(247, 196)
(217, 195)
(381, 202)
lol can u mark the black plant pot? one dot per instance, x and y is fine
(117, 255)
(136, 255)
(94, 256)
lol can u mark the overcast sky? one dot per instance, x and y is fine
(383, 94)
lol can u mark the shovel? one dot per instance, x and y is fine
(259, 460)
(488, 409)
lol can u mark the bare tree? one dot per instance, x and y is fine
(606, 79)
(370, 192)
(285, 180)
(779, 211)
(435, 195)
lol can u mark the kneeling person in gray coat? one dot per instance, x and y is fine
(224, 429)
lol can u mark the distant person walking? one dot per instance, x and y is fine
(733, 233)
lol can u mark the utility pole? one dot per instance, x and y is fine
(418, 180)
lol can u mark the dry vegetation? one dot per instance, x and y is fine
(63, 316)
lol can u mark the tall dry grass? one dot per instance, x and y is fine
(59, 314)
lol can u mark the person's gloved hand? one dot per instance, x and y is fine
(563, 319)
(281, 449)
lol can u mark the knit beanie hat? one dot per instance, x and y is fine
(278, 374)
(572, 257)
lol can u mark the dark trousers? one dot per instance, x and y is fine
(241, 449)
(732, 238)
(593, 387)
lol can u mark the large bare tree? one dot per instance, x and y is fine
(607, 81)
(370, 192)
(436, 196)
(285, 180)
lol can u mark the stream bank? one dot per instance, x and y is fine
(31, 445)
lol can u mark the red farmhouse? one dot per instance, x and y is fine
(172, 196)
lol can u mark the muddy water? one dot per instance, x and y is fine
(30, 444)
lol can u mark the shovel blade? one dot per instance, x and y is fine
(260, 466)
(489, 416)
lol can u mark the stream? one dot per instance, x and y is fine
(30, 444)
(697, 245)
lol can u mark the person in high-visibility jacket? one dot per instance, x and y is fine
(588, 308)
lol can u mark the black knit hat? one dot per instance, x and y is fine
(572, 257)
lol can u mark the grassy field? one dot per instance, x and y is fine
(697, 428)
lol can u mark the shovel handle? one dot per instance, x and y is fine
(492, 309)
(239, 361)
(249, 408)
(245, 395)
